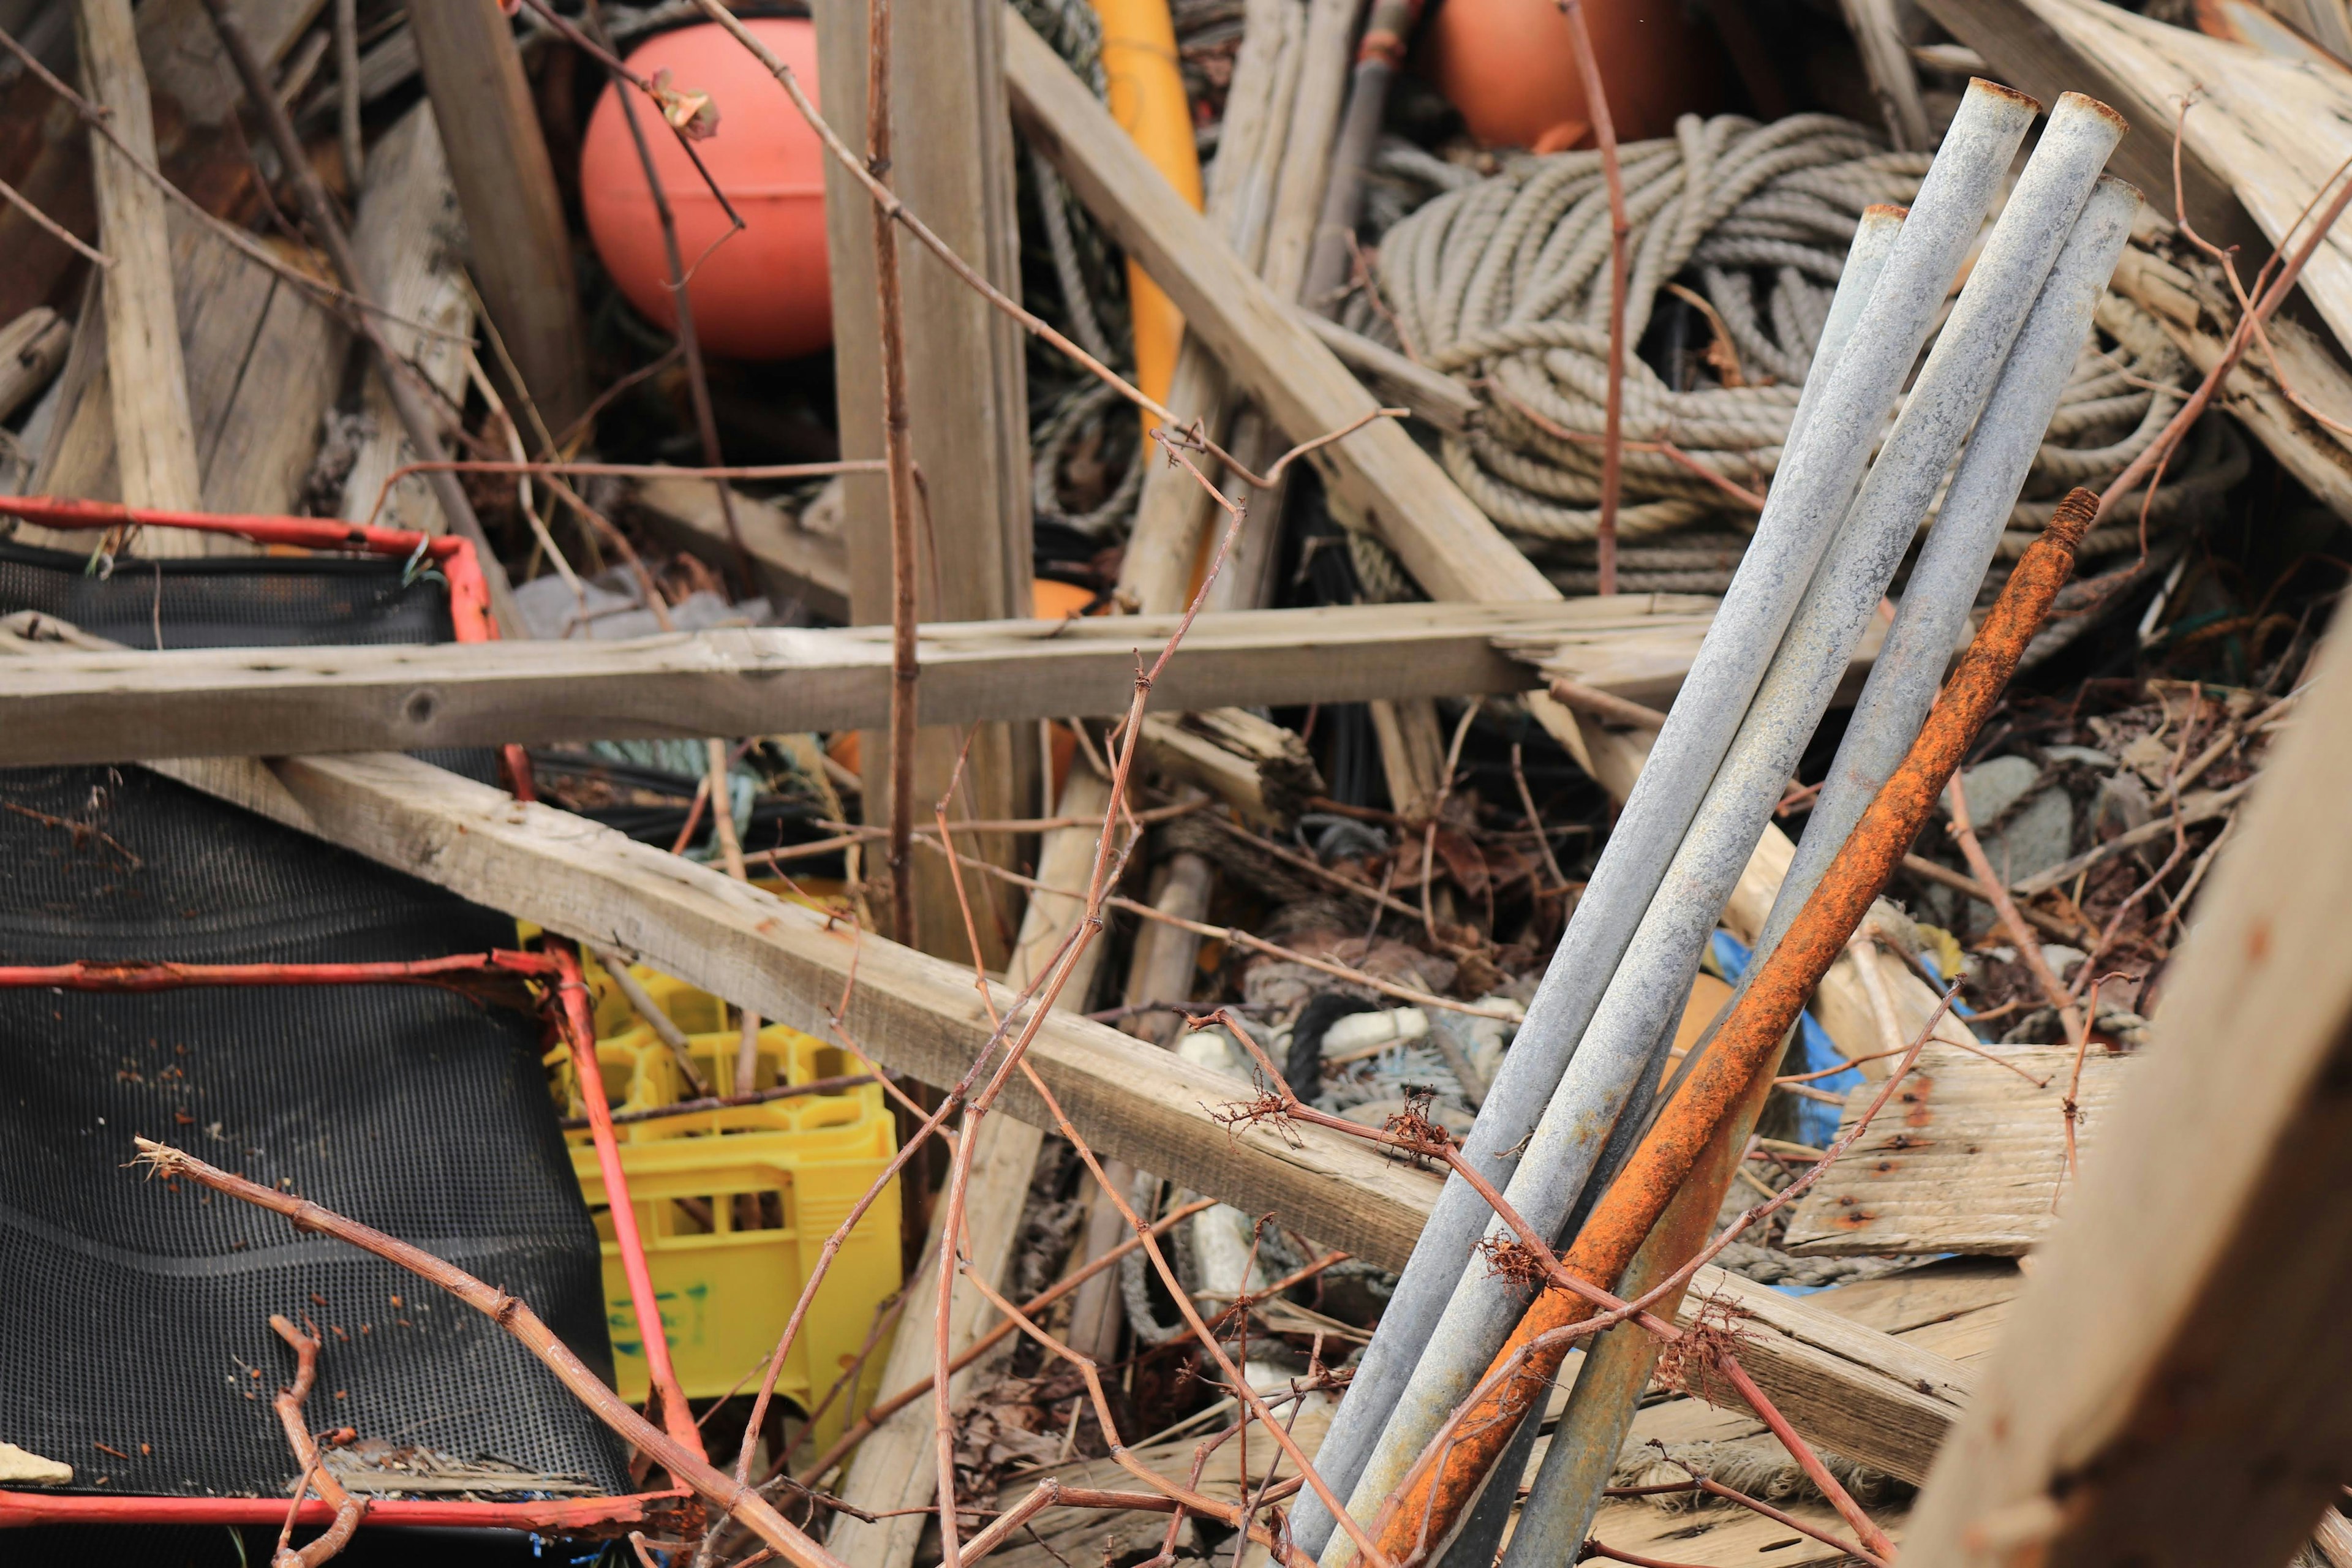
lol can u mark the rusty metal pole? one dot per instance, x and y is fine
(1752, 1037)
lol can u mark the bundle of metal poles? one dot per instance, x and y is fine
(1577, 1087)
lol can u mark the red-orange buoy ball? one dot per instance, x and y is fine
(765, 294)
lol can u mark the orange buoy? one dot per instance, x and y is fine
(765, 293)
(1508, 67)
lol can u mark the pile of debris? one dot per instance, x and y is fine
(1160, 780)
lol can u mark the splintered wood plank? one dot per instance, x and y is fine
(1967, 1157)
(155, 443)
(2268, 131)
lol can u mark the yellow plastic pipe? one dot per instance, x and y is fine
(1147, 98)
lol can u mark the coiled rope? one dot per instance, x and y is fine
(1502, 283)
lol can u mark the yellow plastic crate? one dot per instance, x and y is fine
(735, 1206)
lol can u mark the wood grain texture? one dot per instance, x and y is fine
(967, 397)
(2265, 134)
(1258, 767)
(148, 385)
(411, 244)
(263, 361)
(1174, 513)
(1377, 475)
(2169, 1387)
(1967, 1157)
(2026, 48)
(793, 561)
(917, 1013)
(123, 706)
(192, 92)
(506, 185)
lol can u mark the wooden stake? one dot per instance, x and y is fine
(155, 439)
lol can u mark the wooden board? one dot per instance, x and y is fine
(2269, 133)
(967, 400)
(2026, 49)
(2169, 1389)
(155, 443)
(1967, 1157)
(409, 239)
(1131, 1100)
(111, 707)
(897, 1466)
(506, 185)
(1727, 1537)
(792, 561)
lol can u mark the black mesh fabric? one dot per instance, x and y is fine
(230, 601)
(133, 1313)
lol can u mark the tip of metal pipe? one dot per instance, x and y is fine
(2117, 183)
(1980, 85)
(2073, 518)
(1885, 211)
(2082, 102)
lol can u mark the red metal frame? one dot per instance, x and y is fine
(147, 974)
(553, 1515)
(559, 970)
(470, 595)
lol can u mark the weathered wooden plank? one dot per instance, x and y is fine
(155, 436)
(506, 185)
(124, 706)
(966, 393)
(32, 348)
(193, 94)
(410, 241)
(1967, 1157)
(2169, 1389)
(917, 1013)
(1377, 474)
(2262, 137)
(793, 561)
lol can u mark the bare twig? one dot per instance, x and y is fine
(2028, 950)
(51, 226)
(1604, 135)
(289, 1405)
(517, 1319)
(1534, 822)
(883, 1409)
(897, 211)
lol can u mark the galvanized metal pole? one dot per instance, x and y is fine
(1809, 496)
(1959, 548)
(1531, 1069)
